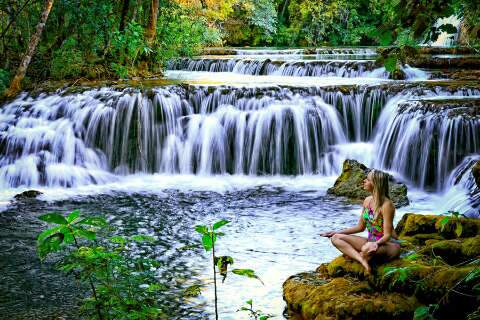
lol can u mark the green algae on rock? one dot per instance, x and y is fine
(350, 184)
(438, 267)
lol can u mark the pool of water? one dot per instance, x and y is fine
(274, 229)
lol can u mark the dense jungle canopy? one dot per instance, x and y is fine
(105, 38)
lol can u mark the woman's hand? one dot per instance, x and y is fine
(369, 248)
(328, 234)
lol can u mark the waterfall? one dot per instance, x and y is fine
(425, 138)
(462, 192)
(70, 139)
(303, 68)
(94, 136)
(447, 39)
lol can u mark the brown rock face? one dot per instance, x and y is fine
(350, 184)
(476, 173)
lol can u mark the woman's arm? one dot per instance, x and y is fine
(388, 212)
(358, 228)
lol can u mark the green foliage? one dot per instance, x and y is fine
(452, 222)
(399, 274)
(67, 61)
(121, 287)
(4, 79)
(209, 238)
(425, 313)
(254, 313)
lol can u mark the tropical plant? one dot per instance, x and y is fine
(209, 238)
(120, 286)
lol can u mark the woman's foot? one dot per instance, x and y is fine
(368, 269)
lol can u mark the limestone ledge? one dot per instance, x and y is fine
(436, 259)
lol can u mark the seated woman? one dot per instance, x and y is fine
(377, 216)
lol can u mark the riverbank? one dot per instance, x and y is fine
(438, 272)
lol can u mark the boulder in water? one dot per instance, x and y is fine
(350, 184)
(476, 173)
(29, 194)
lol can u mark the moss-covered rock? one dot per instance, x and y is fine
(445, 227)
(343, 298)
(431, 265)
(350, 184)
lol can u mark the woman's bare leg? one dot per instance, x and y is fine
(351, 245)
(388, 250)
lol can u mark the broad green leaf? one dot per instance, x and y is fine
(93, 221)
(46, 233)
(444, 221)
(475, 273)
(207, 242)
(49, 245)
(249, 273)
(53, 218)
(193, 291)
(68, 235)
(201, 229)
(87, 234)
(220, 224)
(458, 229)
(421, 313)
(249, 302)
(118, 239)
(73, 215)
(143, 238)
(411, 257)
(390, 63)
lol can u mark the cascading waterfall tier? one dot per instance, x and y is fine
(462, 189)
(424, 140)
(96, 135)
(70, 139)
(308, 68)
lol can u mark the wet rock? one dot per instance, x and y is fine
(435, 226)
(467, 107)
(476, 173)
(350, 184)
(423, 275)
(312, 297)
(29, 194)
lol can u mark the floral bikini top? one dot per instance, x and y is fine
(374, 226)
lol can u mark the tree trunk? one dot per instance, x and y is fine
(123, 17)
(15, 86)
(151, 31)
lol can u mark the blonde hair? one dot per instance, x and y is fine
(380, 188)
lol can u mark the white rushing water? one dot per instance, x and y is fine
(250, 124)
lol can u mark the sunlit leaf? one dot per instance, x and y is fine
(201, 229)
(143, 238)
(207, 242)
(458, 229)
(53, 218)
(73, 215)
(220, 224)
(193, 291)
(93, 221)
(249, 273)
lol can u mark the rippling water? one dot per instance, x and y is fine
(274, 229)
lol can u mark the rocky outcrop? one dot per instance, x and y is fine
(467, 107)
(350, 184)
(438, 265)
(29, 194)
(476, 173)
